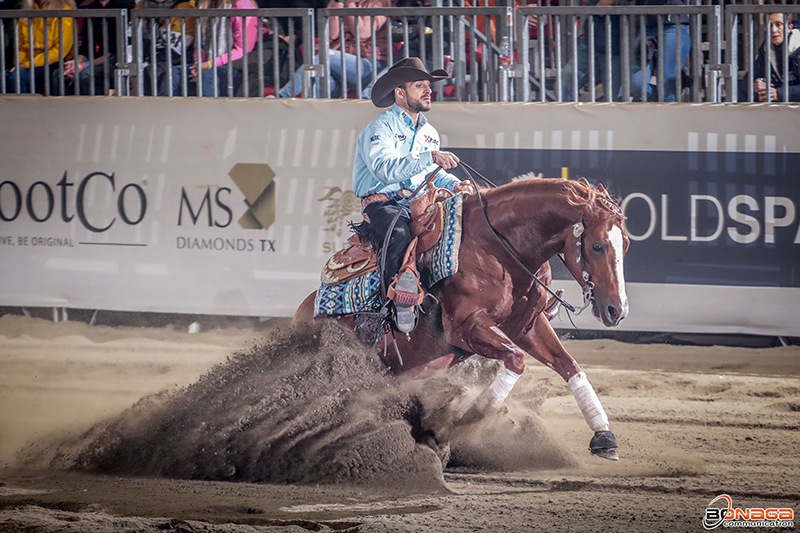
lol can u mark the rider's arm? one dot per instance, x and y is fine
(385, 162)
(445, 180)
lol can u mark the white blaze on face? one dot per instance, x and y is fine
(615, 237)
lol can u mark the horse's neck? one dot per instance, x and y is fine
(536, 220)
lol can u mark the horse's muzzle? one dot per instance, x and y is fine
(610, 314)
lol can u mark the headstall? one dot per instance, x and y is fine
(587, 286)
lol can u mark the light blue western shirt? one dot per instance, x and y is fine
(391, 154)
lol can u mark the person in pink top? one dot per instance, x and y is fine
(364, 41)
(226, 32)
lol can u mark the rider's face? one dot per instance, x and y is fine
(417, 95)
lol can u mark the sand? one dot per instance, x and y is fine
(155, 429)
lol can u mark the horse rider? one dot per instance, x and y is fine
(394, 154)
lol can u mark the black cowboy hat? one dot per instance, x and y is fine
(408, 69)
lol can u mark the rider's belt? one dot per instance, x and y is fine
(402, 194)
(379, 197)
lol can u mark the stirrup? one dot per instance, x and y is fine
(406, 295)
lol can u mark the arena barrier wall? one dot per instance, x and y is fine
(231, 207)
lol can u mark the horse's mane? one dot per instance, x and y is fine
(597, 203)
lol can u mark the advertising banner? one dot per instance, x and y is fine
(232, 206)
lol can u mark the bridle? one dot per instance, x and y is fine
(587, 286)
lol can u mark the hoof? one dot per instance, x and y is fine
(604, 445)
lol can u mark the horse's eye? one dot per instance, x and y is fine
(598, 248)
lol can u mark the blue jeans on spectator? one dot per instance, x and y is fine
(84, 81)
(599, 71)
(335, 58)
(670, 69)
(25, 80)
(207, 78)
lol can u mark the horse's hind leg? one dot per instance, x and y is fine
(304, 316)
(543, 344)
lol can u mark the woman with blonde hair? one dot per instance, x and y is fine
(45, 50)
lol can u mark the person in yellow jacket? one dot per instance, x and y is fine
(41, 55)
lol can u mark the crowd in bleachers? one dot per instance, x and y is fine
(254, 54)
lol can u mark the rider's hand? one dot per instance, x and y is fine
(446, 160)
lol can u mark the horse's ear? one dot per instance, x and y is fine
(602, 189)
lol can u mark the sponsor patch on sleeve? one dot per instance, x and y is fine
(430, 140)
(375, 138)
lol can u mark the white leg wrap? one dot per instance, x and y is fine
(497, 392)
(589, 403)
(502, 385)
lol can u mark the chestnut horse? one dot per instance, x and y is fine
(493, 305)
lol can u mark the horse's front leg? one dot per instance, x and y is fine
(543, 344)
(479, 334)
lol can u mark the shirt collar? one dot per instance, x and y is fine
(421, 120)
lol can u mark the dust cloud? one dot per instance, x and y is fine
(310, 407)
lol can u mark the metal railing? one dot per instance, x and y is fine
(115, 16)
(268, 27)
(737, 16)
(633, 24)
(455, 39)
(465, 40)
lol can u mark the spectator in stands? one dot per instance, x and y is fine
(672, 25)
(40, 55)
(363, 40)
(8, 35)
(600, 55)
(168, 39)
(778, 81)
(80, 66)
(230, 37)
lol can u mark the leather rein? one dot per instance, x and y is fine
(587, 286)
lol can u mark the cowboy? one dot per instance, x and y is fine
(395, 152)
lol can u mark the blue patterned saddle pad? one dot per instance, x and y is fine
(363, 293)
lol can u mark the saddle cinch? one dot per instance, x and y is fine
(357, 258)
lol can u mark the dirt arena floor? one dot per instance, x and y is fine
(233, 430)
